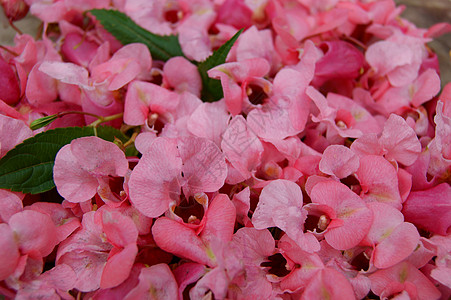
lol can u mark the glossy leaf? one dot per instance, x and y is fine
(211, 88)
(127, 31)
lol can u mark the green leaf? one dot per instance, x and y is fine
(44, 121)
(127, 31)
(28, 168)
(211, 88)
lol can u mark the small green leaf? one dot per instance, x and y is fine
(41, 122)
(127, 31)
(211, 88)
(28, 168)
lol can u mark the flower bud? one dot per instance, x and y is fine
(9, 85)
(14, 9)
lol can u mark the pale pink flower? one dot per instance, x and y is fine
(280, 205)
(102, 252)
(339, 161)
(241, 147)
(82, 169)
(194, 164)
(159, 280)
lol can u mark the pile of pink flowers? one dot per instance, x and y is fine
(323, 173)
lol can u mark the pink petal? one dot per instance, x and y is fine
(403, 272)
(67, 73)
(209, 120)
(220, 220)
(10, 204)
(154, 181)
(144, 140)
(188, 273)
(10, 256)
(215, 280)
(280, 206)
(36, 234)
(256, 245)
(41, 88)
(355, 216)
(64, 220)
(241, 201)
(426, 86)
(400, 141)
(176, 238)
(330, 67)
(233, 73)
(379, 180)
(125, 65)
(9, 84)
(143, 97)
(119, 229)
(204, 165)
(78, 49)
(182, 75)
(118, 267)
(401, 242)
(99, 157)
(72, 182)
(88, 266)
(241, 146)
(61, 277)
(12, 132)
(339, 161)
(158, 280)
(430, 209)
(328, 283)
(386, 219)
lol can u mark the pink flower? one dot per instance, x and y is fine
(339, 161)
(342, 215)
(194, 164)
(280, 205)
(237, 77)
(403, 279)
(241, 147)
(392, 239)
(159, 280)
(102, 252)
(181, 240)
(378, 180)
(253, 248)
(82, 168)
